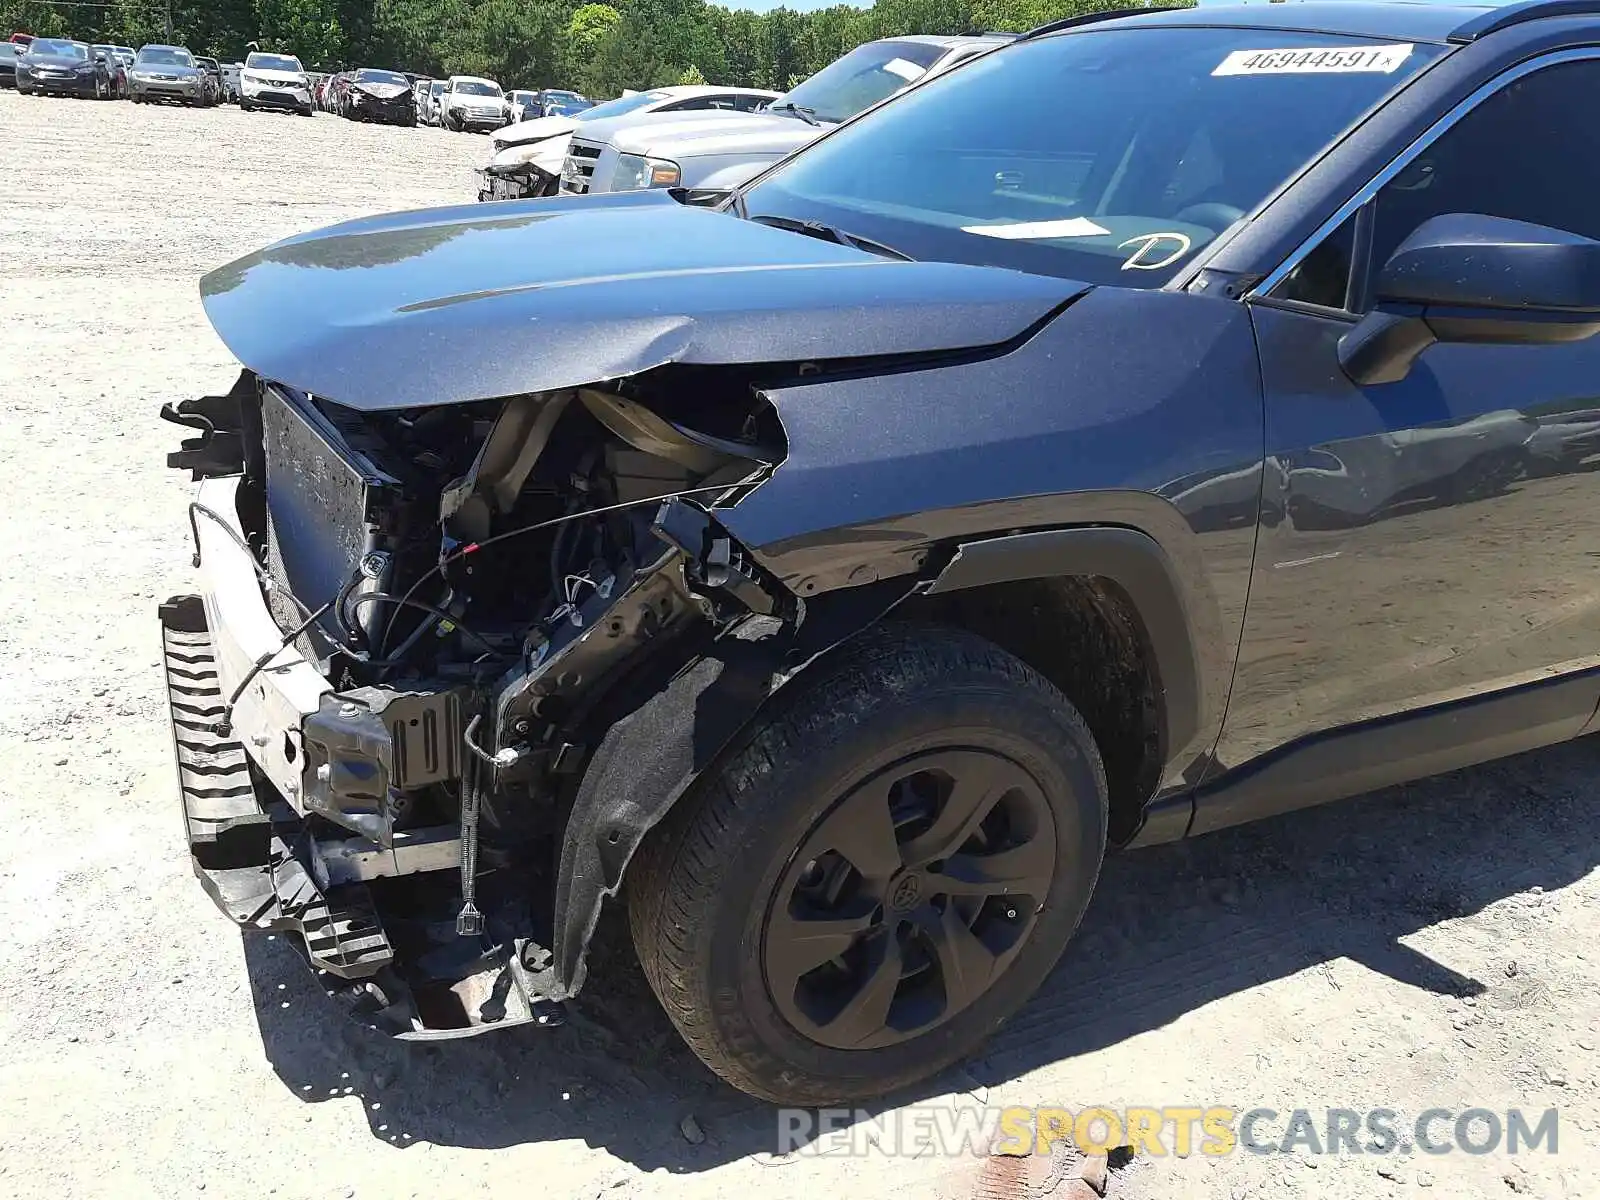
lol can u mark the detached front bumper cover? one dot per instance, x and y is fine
(258, 861)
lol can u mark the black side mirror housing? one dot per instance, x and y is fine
(1465, 277)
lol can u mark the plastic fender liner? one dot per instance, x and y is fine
(1136, 563)
(650, 757)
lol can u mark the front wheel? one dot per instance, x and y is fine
(880, 877)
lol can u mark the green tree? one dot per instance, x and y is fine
(587, 27)
(307, 28)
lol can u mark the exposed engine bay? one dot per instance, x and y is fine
(486, 589)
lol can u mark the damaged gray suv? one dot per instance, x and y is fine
(832, 577)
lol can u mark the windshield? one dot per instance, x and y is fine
(473, 88)
(861, 78)
(437, 87)
(522, 97)
(622, 104)
(273, 62)
(1122, 152)
(164, 56)
(59, 48)
(371, 75)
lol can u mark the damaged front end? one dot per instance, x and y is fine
(486, 531)
(419, 629)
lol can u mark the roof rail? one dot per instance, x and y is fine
(1515, 14)
(1109, 15)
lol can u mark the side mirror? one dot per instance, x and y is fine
(1464, 277)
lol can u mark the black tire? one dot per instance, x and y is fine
(703, 890)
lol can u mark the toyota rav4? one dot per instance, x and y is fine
(837, 574)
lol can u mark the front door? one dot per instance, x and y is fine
(1436, 538)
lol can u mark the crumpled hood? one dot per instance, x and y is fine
(548, 156)
(381, 91)
(451, 305)
(536, 130)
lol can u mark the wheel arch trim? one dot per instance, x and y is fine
(1137, 564)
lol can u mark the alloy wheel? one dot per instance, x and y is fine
(907, 901)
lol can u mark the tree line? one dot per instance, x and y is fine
(598, 48)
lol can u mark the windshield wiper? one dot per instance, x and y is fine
(808, 115)
(830, 233)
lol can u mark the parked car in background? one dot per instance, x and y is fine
(432, 111)
(213, 83)
(526, 159)
(119, 73)
(166, 73)
(522, 105)
(473, 104)
(377, 95)
(9, 52)
(711, 156)
(230, 82)
(419, 92)
(21, 39)
(274, 81)
(60, 66)
(554, 102)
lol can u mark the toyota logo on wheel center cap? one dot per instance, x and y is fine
(907, 890)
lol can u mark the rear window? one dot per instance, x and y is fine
(863, 77)
(273, 62)
(165, 56)
(63, 49)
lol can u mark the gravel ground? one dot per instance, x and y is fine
(1429, 946)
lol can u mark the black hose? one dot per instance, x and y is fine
(224, 727)
(267, 580)
(407, 602)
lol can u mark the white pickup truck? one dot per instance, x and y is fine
(526, 158)
(710, 154)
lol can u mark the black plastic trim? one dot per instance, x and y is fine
(1094, 18)
(1374, 754)
(1137, 564)
(652, 754)
(1517, 14)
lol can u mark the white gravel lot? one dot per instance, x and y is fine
(1430, 946)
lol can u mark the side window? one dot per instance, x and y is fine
(1323, 276)
(1530, 152)
(748, 103)
(695, 104)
